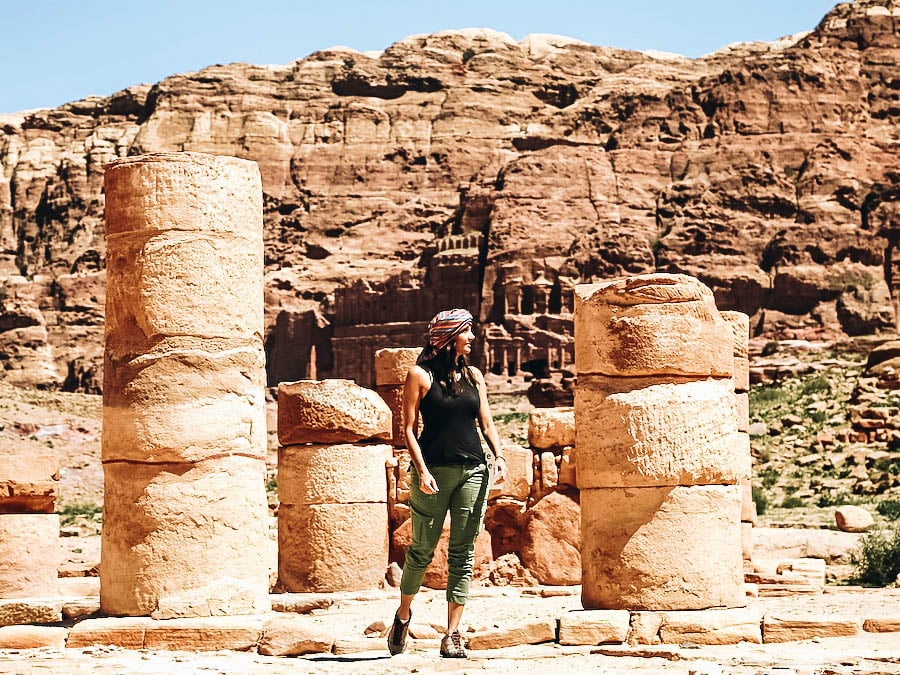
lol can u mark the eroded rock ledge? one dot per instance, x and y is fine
(465, 168)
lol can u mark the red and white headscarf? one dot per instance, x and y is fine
(443, 328)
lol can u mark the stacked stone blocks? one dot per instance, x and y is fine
(29, 537)
(659, 452)
(332, 486)
(184, 427)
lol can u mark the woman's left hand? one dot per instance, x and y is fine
(500, 470)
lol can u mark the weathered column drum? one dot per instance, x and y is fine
(658, 448)
(184, 428)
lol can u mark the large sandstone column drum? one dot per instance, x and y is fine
(659, 452)
(185, 519)
(332, 486)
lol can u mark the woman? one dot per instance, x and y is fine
(449, 468)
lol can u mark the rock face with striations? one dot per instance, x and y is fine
(465, 168)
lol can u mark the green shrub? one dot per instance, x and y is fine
(71, 512)
(818, 416)
(766, 393)
(815, 385)
(760, 499)
(829, 498)
(791, 502)
(467, 55)
(769, 348)
(889, 464)
(878, 560)
(889, 508)
(769, 476)
(507, 418)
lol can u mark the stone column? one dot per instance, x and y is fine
(740, 326)
(659, 453)
(29, 531)
(332, 513)
(185, 518)
(391, 367)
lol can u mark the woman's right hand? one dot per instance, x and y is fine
(427, 484)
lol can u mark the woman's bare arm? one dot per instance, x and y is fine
(486, 422)
(417, 385)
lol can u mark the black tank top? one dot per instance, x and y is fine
(449, 435)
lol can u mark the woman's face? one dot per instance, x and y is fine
(463, 342)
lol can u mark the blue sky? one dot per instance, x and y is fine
(54, 51)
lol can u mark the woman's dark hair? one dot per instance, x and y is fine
(444, 364)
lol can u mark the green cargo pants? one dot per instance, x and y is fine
(463, 491)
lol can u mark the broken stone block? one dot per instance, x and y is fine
(355, 645)
(550, 428)
(661, 434)
(568, 475)
(667, 548)
(805, 570)
(793, 628)
(594, 627)
(206, 633)
(293, 636)
(332, 474)
(332, 547)
(850, 518)
(330, 411)
(886, 625)
(30, 610)
(549, 471)
(301, 603)
(393, 396)
(392, 364)
(124, 632)
(651, 324)
(80, 609)
(170, 551)
(519, 473)
(526, 633)
(29, 555)
(424, 631)
(644, 628)
(29, 481)
(551, 539)
(32, 637)
(712, 626)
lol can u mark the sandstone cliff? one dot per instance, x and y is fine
(465, 168)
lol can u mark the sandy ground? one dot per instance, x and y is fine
(863, 653)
